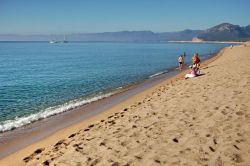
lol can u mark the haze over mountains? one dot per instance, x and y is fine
(221, 32)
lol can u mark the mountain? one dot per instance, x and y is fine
(121, 36)
(135, 36)
(226, 32)
(247, 30)
(222, 32)
(177, 36)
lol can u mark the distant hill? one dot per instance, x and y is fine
(135, 36)
(222, 32)
(122, 36)
(177, 36)
(226, 32)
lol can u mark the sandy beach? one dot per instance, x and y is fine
(199, 121)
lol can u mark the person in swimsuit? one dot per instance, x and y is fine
(181, 62)
(184, 54)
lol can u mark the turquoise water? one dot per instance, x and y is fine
(38, 79)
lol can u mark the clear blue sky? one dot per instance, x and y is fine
(74, 16)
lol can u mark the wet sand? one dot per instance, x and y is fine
(199, 121)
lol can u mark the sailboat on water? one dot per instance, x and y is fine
(56, 41)
(64, 40)
(53, 41)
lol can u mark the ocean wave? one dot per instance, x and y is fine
(159, 73)
(21, 121)
(119, 88)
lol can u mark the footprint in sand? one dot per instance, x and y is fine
(36, 152)
(175, 140)
(78, 149)
(239, 113)
(138, 157)
(115, 164)
(236, 158)
(215, 141)
(157, 161)
(211, 148)
(216, 108)
(72, 135)
(111, 122)
(95, 161)
(110, 117)
(236, 147)
(27, 159)
(59, 142)
(46, 162)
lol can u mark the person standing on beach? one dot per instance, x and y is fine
(181, 62)
(184, 54)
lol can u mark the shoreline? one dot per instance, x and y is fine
(80, 102)
(10, 143)
(201, 42)
(129, 103)
(39, 130)
(50, 107)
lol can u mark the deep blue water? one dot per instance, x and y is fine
(38, 79)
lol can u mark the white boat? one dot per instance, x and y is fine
(52, 42)
(58, 41)
(64, 40)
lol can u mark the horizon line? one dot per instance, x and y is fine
(73, 33)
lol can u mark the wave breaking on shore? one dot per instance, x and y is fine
(22, 121)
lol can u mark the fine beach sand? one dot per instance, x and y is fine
(198, 121)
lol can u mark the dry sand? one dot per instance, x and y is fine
(199, 121)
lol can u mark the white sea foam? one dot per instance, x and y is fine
(21, 121)
(159, 73)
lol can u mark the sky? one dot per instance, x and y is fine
(86, 16)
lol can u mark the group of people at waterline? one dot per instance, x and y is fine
(194, 68)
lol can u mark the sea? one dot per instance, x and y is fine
(39, 79)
